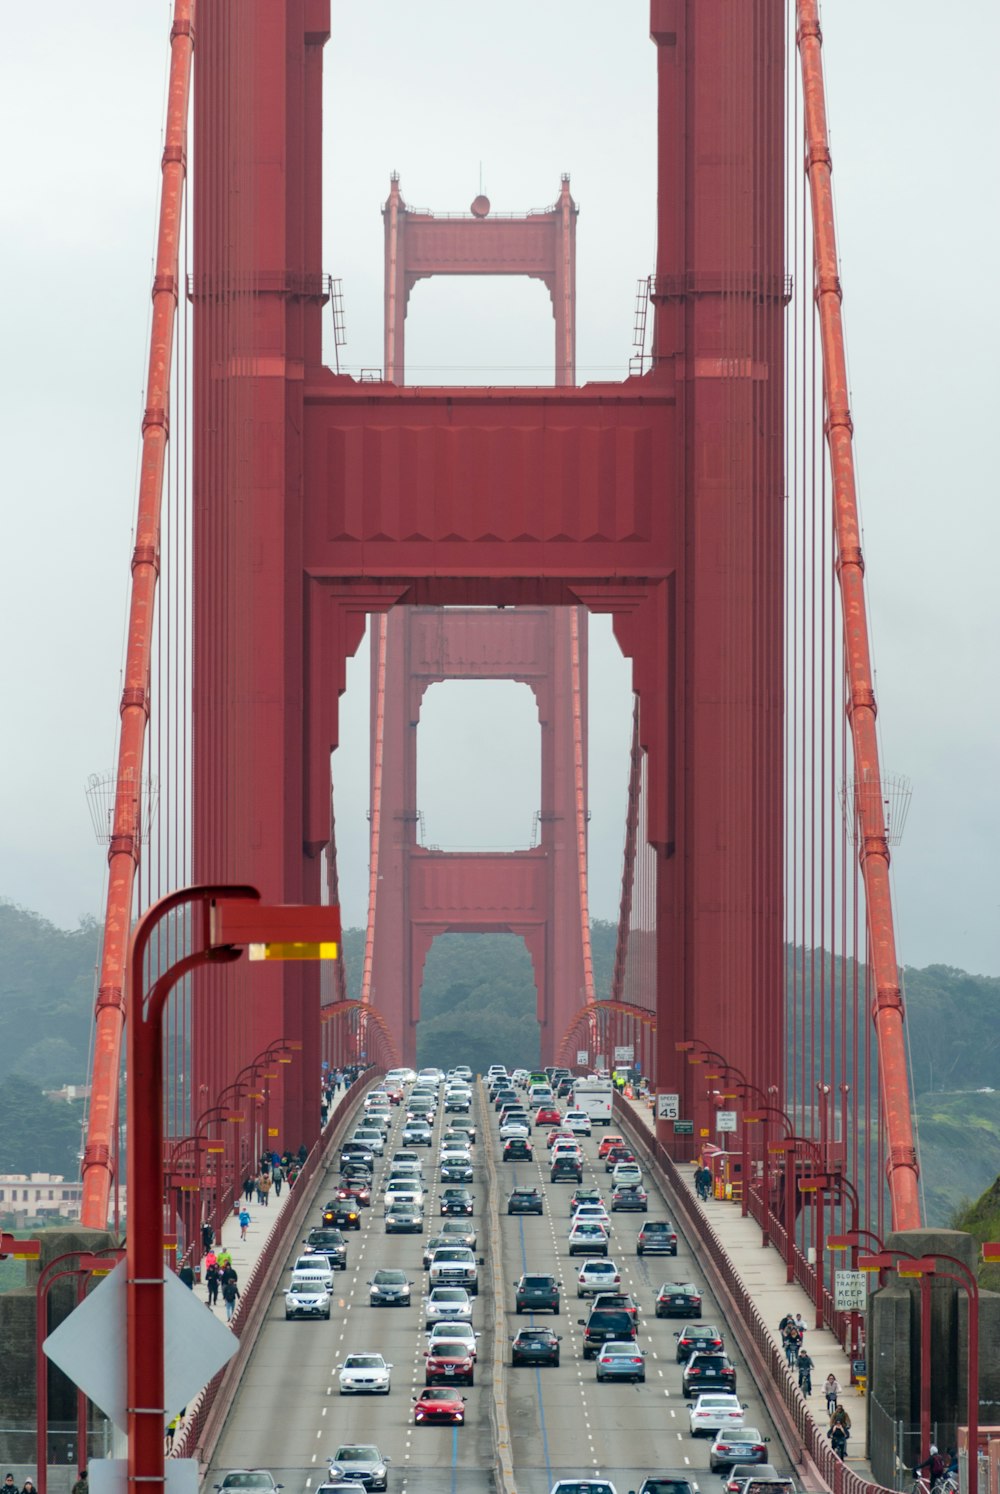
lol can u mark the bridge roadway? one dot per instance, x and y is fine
(289, 1417)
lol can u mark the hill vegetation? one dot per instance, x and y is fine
(478, 1005)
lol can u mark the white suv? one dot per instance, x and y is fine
(597, 1276)
(577, 1121)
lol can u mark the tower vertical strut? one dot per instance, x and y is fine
(901, 1163)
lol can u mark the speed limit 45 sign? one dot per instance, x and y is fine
(668, 1107)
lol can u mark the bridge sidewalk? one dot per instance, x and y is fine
(763, 1272)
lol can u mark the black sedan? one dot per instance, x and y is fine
(456, 1201)
(456, 1172)
(708, 1372)
(678, 1299)
(342, 1213)
(525, 1201)
(517, 1149)
(535, 1346)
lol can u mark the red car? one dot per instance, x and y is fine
(442, 1405)
(360, 1192)
(449, 1363)
(558, 1134)
(547, 1115)
(607, 1143)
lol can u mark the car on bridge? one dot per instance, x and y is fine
(715, 1412)
(454, 1265)
(458, 1102)
(307, 1298)
(547, 1115)
(451, 1332)
(584, 1195)
(356, 1151)
(360, 1463)
(447, 1304)
(254, 1480)
(698, 1338)
(583, 1486)
(588, 1239)
(597, 1276)
(577, 1121)
(328, 1242)
(515, 1128)
(449, 1362)
(518, 1149)
(525, 1201)
(468, 1126)
(620, 1300)
(566, 1169)
(417, 1133)
(708, 1372)
(312, 1269)
(403, 1191)
(342, 1213)
(535, 1346)
(678, 1299)
(659, 1483)
(606, 1143)
(616, 1156)
(657, 1237)
(364, 1374)
(403, 1219)
(439, 1405)
(455, 1169)
(592, 1213)
(606, 1325)
(390, 1288)
(357, 1189)
(741, 1447)
(534, 1292)
(630, 1198)
(621, 1361)
(457, 1201)
(371, 1137)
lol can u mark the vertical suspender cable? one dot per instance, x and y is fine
(888, 1004)
(580, 799)
(123, 853)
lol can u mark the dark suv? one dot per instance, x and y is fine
(698, 1338)
(708, 1372)
(656, 1237)
(536, 1293)
(678, 1299)
(605, 1325)
(566, 1170)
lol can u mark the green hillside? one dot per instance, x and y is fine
(478, 1006)
(982, 1219)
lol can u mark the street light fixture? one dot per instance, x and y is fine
(225, 921)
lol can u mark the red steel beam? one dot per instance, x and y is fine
(123, 852)
(902, 1169)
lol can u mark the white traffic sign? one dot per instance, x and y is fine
(582, 1055)
(110, 1475)
(624, 1053)
(601, 1061)
(89, 1345)
(725, 1120)
(850, 1291)
(668, 1107)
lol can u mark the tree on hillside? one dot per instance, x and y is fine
(38, 1135)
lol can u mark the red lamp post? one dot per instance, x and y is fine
(925, 1267)
(224, 920)
(93, 1263)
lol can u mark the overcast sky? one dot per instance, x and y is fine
(441, 91)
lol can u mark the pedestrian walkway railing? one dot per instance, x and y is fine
(207, 1416)
(805, 1440)
(19, 1445)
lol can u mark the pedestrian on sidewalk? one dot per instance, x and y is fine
(225, 1259)
(212, 1283)
(248, 1183)
(279, 1178)
(230, 1292)
(9, 1485)
(227, 1273)
(265, 1188)
(831, 1389)
(207, 1236)
(806, 1368)
(303, 1154)
(82, 1485)
(244, 1223)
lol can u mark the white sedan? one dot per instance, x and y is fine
(715, 1412)
(365, 1374)
(589, 1213)
(514, 1129)
(597, 1276)
(448, 1304)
